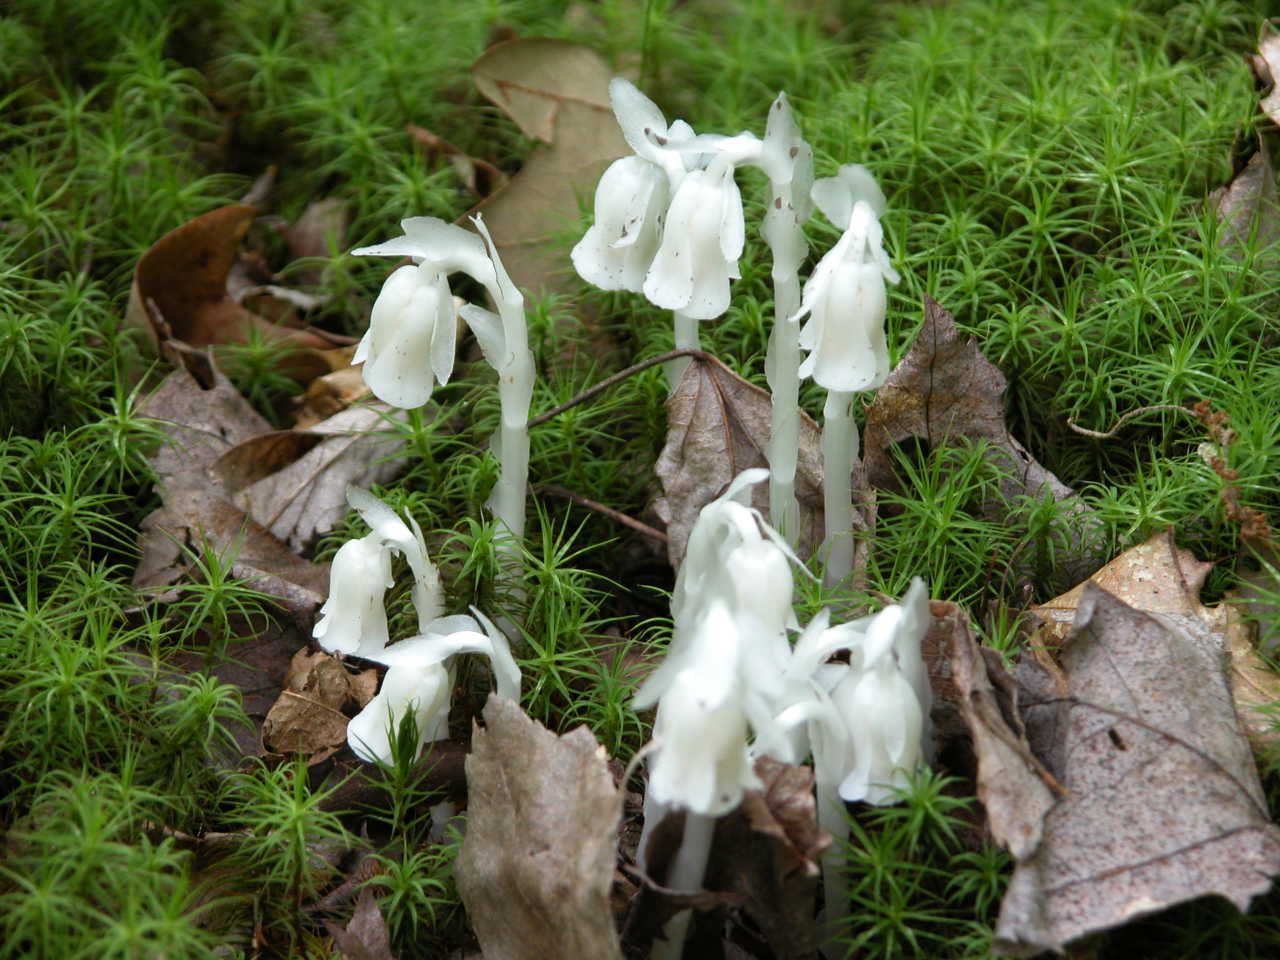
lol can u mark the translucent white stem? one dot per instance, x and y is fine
(839, 448)
(686, 874)
(835, 894)
(686, 339)
(515, 393)
(783, 369)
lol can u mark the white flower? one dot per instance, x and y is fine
(724, 668)
(883, 717)
(631, 200)
(701, 243)
(418, 680)
(353, 619)
(845, 297)
(702, 762)
(413, 327)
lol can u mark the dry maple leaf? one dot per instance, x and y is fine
(946, 393)
(1163, 800)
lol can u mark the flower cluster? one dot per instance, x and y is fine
(353, 621)
(668, 219)
(731, 668)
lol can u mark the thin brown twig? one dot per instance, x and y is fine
(617, 378)
(619, 516)
(1098, 435)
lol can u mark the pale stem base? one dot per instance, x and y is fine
(686, 874)
(839, 449)
(686, 339)
(835, 892)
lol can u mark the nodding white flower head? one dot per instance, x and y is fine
(723, 670)
(632, 195)
(702, 762)
(414, 325)
(353, 619)
(701, 244)
(883, 716)
(845, 297)
(419, 680)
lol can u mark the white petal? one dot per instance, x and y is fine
(487, 327)
(850, 353)
(617, 250)
(502, 289)
(424, 690)
(450, 247)
(398, 369)
(690, 272)
(637, 115)
(353, 619)
(444, 333)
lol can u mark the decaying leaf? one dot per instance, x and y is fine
(184, 275)
(1247, 207)
(1266, 65)
(537, 863)
(557, 92)
(366, 937)
(769, 850)
(1157, 577)
(294, 482)
(946, 393)
(1163, 800)
(717, 426)
(1015, 789)
(308, 716)
(203, 416)
(318, 234)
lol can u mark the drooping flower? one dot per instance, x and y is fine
(419, 680)
(845, 299)
(353, 619)
(413, 328)
(631, 198)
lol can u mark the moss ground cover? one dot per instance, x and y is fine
(1047, 167)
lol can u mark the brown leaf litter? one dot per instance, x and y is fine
(557, 92)
(538, 860)
(1163, 800)
(718, 425)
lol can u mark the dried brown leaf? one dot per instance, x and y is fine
(1013, 785)
(1267, 66)
(184, 274)
(1247, 207)
(537, 864)
(1158, 577)
(294, 482)
(366, 936)
(946, 393)
(203, 416)
(308, 715)
(557, 92)
(479, 176)
(718, 425)
(1164, 804)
